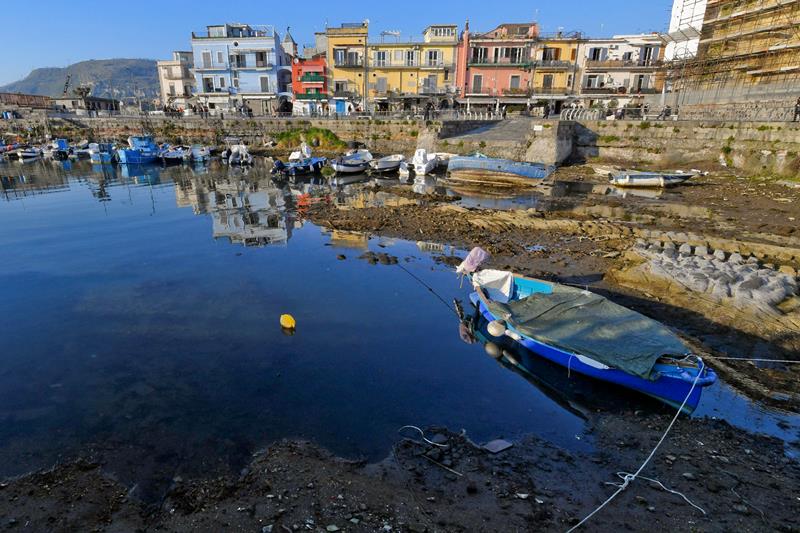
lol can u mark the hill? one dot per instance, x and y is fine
(113, 78)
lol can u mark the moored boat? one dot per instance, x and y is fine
(141, 150)
(649, 179)
(390, 163)
(101, 153)
(175, 155)
(590, 335)
(479, 167)
(300, 162)
(29, 154)
(353, 162)
(424, 162)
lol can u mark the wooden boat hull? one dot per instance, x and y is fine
(497, 171)
(668, 389)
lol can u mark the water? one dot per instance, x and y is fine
(141, 326)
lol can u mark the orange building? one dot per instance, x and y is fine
(310, 85)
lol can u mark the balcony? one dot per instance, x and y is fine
(346, 94)
(520, 93)
(622, 64)
(437, 64)
(312, 78)
(311, 96)
(388, 63)
(501, 62)
(618, 90)
(348, 63)
(553, 64)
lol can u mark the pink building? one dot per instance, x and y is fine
(498, 63)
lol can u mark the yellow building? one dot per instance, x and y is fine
(407, 74)
(346, 53)
(383, 76)
(555, 63)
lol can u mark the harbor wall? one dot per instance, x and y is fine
(758, 148)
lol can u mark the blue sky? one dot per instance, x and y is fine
(56, 33)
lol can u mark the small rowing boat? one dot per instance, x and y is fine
(649, 179)
(480, 168)
(390, 163)
(589, 334)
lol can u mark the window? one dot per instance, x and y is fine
(380, 58)
(172, 89)
(221, 82)
(264, 84)
(627, 56)
(411, 58)
(339, 55)
(479, 55)
(381, 85)
(595, 54)
(513, 83)
(208, 85)
(220, 58)
(432, 58)
(236, 82)
(206, 59)
(515, 55)
(592, 81)
(340, 86)
(547, 81)
(573, 54)
(550, 54)
(397, 57)
(477, 83)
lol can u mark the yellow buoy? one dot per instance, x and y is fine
(288, 322)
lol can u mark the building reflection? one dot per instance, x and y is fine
(244, 210)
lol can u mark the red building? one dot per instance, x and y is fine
(310, 85)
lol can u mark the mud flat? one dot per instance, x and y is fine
(741, 482)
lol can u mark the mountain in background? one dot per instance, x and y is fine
(111, 78)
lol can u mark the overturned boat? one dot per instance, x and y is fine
(649, 179)
(587, 333)
(424, 162)
(480, 168)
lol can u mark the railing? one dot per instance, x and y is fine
(598, 90)
(618, 63)
(552, 63)
(506, 61)
(253, 32)
(346, 94)
(487, 91)
(388, 63)
(312, 78)
(311, 96)
(348, 63)
(437, 64)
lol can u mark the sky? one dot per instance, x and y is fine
(55, 33)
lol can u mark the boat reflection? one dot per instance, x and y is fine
(578, 394)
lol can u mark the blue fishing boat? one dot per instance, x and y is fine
(588, 334)
(299, 167)
(479, 167)
(101, 153)
(141, 150)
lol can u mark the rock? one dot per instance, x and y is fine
(332, 528)
(362, 506)
(736, 259)
(267, 529)
(741, 509)
(354, 521)
(497, 446)
(689, 476)
(341, 257)
(701, 250)
(685, 249)
(439, 438)
(719, 254)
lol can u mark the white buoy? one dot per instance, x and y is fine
(493, 350)
(496, 328)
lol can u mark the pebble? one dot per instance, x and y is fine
(267, 529)
(742, 509)
(689, 476)
(332, 528)
(719, 254)
(685, 249)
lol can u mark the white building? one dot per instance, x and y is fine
(684, 29)
(176, 79)
(622, 67)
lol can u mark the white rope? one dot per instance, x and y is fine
(751, 359)
(623, 475)
(422, 434)
(627, 478)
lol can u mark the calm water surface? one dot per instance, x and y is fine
(140, 324)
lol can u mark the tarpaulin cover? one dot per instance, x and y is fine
(585, 323)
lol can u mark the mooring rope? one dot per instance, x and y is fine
(626, 477)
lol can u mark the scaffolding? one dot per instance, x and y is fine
(747, 61)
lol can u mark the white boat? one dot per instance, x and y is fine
(175, 155)
(237, 155)
(353, 162)
(404, 170)
(389, 163)
(200, 153)
(424, 162)
(303, 153)
(29, 154)
(442, 158)
(649, 179)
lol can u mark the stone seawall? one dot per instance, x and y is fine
(768, 148)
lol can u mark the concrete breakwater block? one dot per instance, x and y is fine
(744, 282)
